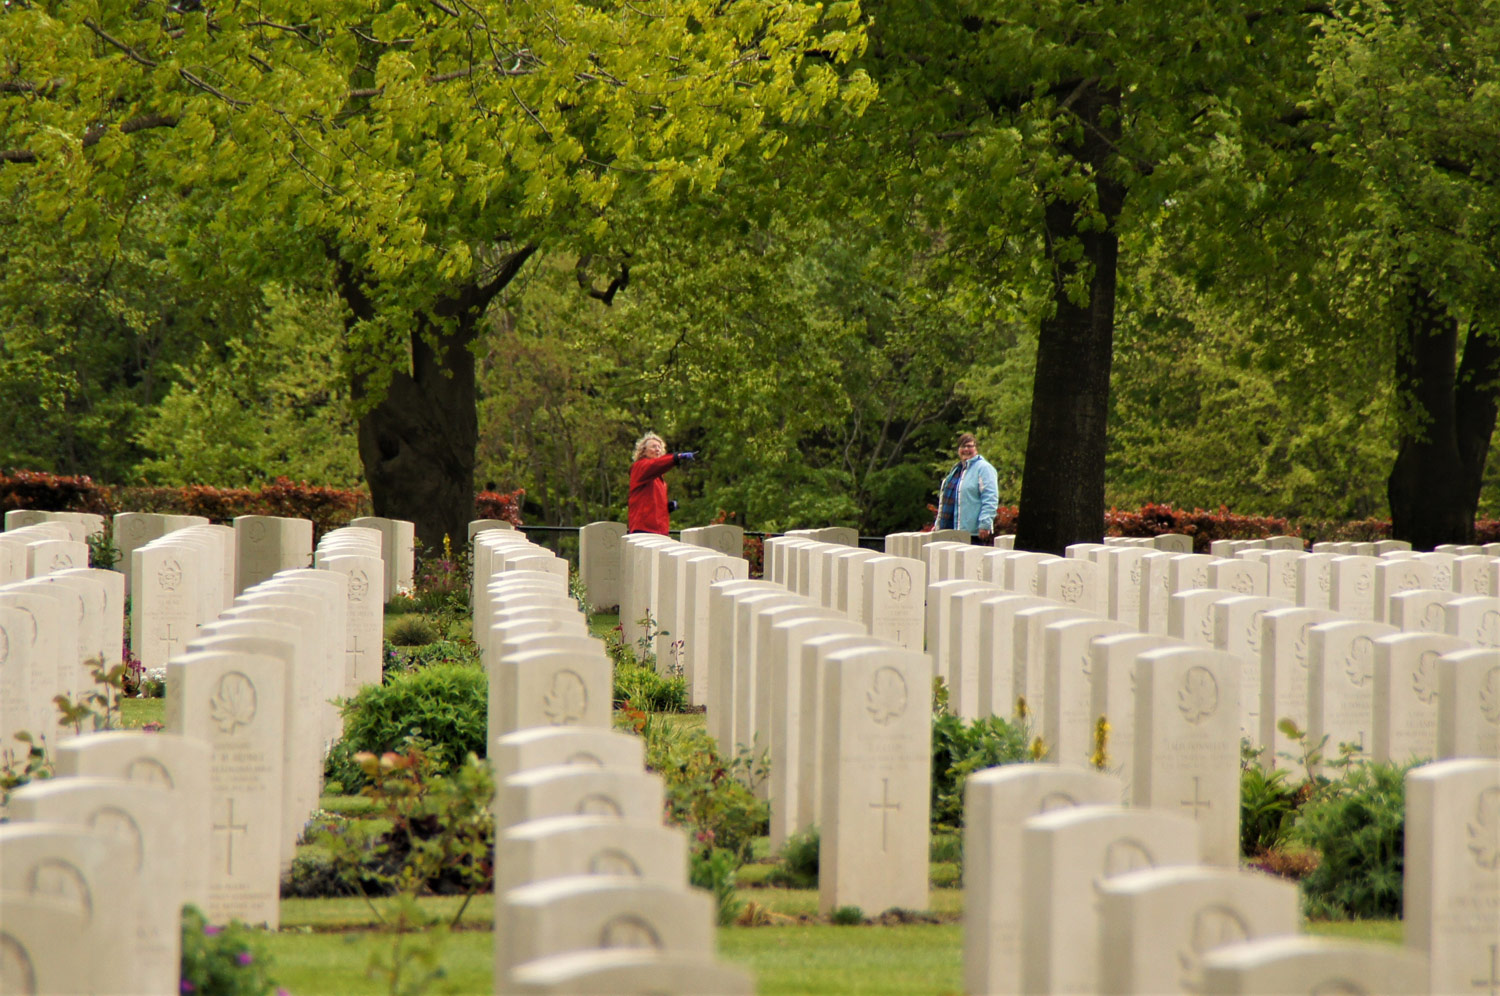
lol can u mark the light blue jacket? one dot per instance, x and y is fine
(978, 495)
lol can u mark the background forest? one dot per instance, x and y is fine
(234, 241)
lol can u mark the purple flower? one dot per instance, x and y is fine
(211, 929)
(187, 987)
(243, 958)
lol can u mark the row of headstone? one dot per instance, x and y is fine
(591, 888)
(543, 667)
(910, 544)
(97, 862)
(36, 549)
(357, 553)
(55, 629)
(664, 605)
(397, 551)
(259, 683)
(843, 715)
(1068, 892)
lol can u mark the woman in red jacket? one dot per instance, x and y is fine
(648, 507)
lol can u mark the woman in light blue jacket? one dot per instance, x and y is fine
(970, 495)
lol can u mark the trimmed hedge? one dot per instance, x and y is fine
(328, 508)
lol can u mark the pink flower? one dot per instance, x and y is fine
(187, 987)
(211, 929)
(244, 958)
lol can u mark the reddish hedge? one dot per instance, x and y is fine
(328, 508)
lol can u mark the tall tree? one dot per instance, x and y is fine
(1406, 105)
(1036, 134)
(415, 154)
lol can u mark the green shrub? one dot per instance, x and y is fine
(706, 795)
(959, 749)
(848, 916)
(444, 652)
(798, 868)
(413, 631)
(1358, 827)
(714, 870)
(444, 704)
(644, 689)
(223, 961)
(1268, 807)
(400, 605)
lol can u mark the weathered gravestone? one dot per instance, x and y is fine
(996, 803)
(234, 703)
(87, 873)
(1157, 924)
(876, 746)
(1405, 694)
(893, 592)
(1339, 684)
(599, 563)
(590, 912)
(1187, 743)
(1469, 704)
(1451, 895)
(1282, 966)
(267, 544)
(141, 818)
(178, 764)
(1065, 856)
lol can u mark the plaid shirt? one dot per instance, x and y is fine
(948, 498)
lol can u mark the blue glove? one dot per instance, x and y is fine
(685, 457)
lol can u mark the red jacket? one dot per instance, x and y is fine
(647, 507)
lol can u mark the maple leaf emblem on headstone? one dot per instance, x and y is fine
(1442, 577)
(1299, 646)
(1424, 681)
(1489, 630)
(900, 584)
(886, 697)
(565, 703)
(1489, 696)
(1198, 697)
(1432, 618)
(1359, 666)
(1252, 631)
(1410, 581)
(232, 704)
(1484, 832)
(1135, 573)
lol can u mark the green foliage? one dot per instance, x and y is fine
(413, 631)
(1357, 825)
(30, 764)
(710, 798)
(643, 688)
(223, 960)
(444, 704)
(959, 749)
(440, 839)
(99, 707)
(255, 408)
(847, 916)
(1268, 808)
(714, 869)
(798, 867)
(103, 553)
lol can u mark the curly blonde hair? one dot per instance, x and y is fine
(640, 444)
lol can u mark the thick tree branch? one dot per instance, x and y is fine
(607, 295)
(135, 56)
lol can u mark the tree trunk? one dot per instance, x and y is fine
(1062, 486)
(417, 440)
(417, 443)
(1434, 484)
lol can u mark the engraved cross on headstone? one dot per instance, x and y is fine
(355, 651)
(169, 638)
(1493, 982)
(229, 827)
(1197, 801)
(885, 806)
